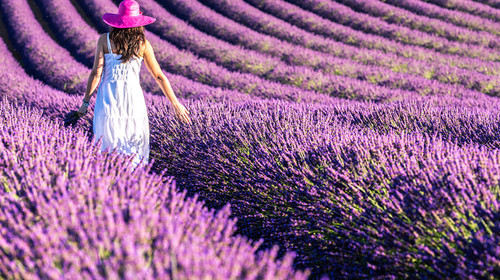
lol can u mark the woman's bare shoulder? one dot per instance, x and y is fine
(144, 47)
(102, 37)
(101, 40)
(146, 44)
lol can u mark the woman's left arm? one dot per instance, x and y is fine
(95, 73)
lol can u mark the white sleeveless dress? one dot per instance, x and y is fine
(120, 113)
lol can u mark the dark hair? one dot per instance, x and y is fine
(128, 41)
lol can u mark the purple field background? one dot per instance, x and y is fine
(345, 139)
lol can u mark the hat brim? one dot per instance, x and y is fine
(121, 21)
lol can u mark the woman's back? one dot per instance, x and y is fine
(115, 69)
(120, 114)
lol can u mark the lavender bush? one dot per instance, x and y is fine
(68, 212)
(343, 196)
(38, 52)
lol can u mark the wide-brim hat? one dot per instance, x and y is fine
(129, 15)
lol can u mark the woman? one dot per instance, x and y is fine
(120, 114)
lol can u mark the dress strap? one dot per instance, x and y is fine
(109, 45)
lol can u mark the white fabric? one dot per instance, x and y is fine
(120, 113)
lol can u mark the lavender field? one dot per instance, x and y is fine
(348, 139)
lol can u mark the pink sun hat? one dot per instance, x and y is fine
(129, 15)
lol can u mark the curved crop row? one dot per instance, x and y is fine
(344, 15)
(16, 85)
(469, 7)
(69, 26)
(399, 16)
(66, 24)
(257, 20)
(453, 122)
(330, 84)
(61, 219)
(54, 64)
(455, 17)
(213, 23)
(321, 26)
(298, 177)
(492, 3)
(38, 51)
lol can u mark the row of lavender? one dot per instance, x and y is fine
(354, 59)
(212, 138)
(344, 15)
(456, 17)
(322, 26)
(185, 36)
(492, 3)
(471, 7)
(396, 15)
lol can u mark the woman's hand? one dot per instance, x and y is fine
(82, 111)
(181, 113)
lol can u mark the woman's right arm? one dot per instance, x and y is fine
(95, 73)
(155, 70)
